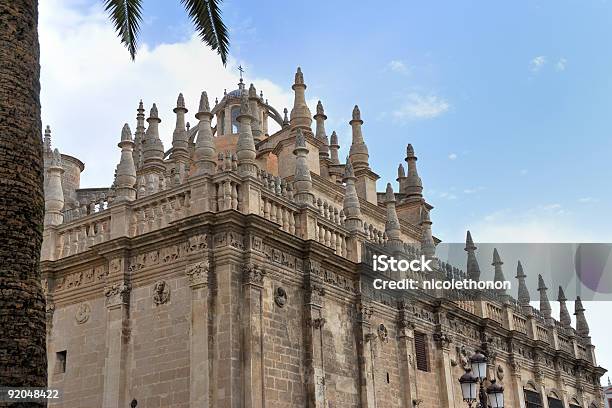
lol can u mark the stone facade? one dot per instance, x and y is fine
(234, 270)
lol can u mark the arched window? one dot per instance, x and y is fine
(574, 403)
(235, 113)
(554, 401)
(532, 397)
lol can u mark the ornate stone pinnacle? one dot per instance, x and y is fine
(180, 101)
(320, 110)
(356, 113)
(57, 158)
(204, 106)
(401, 172)
(140, 106)
(348, 169)
(126, 133)
(469, 242)
(154, 114)
(244, 106)
(541, 284)
(561, 297)
(333, 138)
(496, 258)
(389, 195)
(299, 76)
(285, 117)
(519, 271)
(300, 139)
(252, 91)
(409, 150)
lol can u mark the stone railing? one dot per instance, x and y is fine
(88, 206)
(81, 234)
(373, 234)
(542, 334)
(519, 323)
(158, 211)
(494, 312)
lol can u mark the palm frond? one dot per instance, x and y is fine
(126, 17)
(206, 16)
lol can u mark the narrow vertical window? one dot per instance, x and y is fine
(60, 361)
(420, 349)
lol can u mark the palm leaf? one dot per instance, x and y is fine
(206, 16)
(126, 17)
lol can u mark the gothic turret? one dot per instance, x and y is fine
(392, 225)
(126, 171)
(499, 273)
(180, 140)
(359, 151)
(254, 109)
(139, 136)
(413, 187)
(302, 180)
(582, 327)
(205, 154)
(544, 302)
(47, 141)
(564, 316)
(523, 293)
(320, 134)
(333, 148)
(153, 149)
(54, 195)
(245, 148)
(300, 114)
(401, 177)
(473, 269)
(285, 118)
(428, 246)
(351, 206)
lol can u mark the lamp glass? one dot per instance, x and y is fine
(496, 399)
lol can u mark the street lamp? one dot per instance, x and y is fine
(469, 387)
(496, 394)
(472, 385)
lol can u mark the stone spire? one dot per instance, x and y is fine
(401, 176)
(54, 194)
(428, 246)
(582, 327)
(564, 316)
(126, 171)
(285, 118)
(359, 151)
(544, 302)
(205, 155)
(320, 134)
(413, 187)
(153, 149)
(47, 141)
(392, 225)
(245, 148)
(180, 140)
(499, 273)
(523, 293)
(139, 136)
(254, 108)
(333, 148)
(300, 114)
(351, 206)
(473, 269)
(302, 181)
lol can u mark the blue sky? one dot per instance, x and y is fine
(526, 85)
(508, 104)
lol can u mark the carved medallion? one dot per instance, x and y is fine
(161, 293)
(83, 312)
(280, 296)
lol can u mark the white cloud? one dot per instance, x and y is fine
(417, 106)
(473, 190)
(561, 64)
(397, 66)
(537, 63)
(524, 172)
(588, 200)
(447, 195)
(90, 87)
(452, 156)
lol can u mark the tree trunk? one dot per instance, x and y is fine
(23, 358)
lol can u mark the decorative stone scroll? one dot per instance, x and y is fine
(82, 314)
(116, 294)
(161, 293)
(197, 273)
(253, 274)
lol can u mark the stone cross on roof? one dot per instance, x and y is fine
(241, 70)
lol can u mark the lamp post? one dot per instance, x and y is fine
(473, 385)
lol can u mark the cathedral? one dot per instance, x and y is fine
(234, 269)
